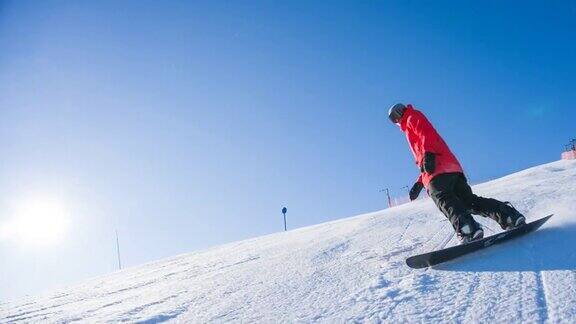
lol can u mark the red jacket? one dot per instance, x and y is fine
(423, 138)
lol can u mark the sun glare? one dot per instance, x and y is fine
(37, 221)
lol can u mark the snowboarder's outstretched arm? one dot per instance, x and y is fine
(416, 188)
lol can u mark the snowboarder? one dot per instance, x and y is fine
(443, 177)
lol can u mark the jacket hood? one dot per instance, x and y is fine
(408, 112)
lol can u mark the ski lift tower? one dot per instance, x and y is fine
(387, 191)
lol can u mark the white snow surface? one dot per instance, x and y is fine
(352, 270)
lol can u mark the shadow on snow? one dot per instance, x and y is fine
(549, 248)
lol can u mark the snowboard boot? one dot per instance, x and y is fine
(510, 218)
(468, 230)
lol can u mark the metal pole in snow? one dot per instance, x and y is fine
(118, 251)
(387, 195)
(284, 210)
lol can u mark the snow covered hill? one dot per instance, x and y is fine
(352, 270)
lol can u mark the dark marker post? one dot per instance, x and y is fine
(284, 210)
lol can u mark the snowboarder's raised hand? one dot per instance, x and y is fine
(415, 191)
(429, 164)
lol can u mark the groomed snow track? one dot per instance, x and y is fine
(351, 270)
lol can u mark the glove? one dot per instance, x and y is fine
(415, 191)
(429, 163)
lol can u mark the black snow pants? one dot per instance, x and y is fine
(454, 197)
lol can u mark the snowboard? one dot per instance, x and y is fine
(451, 253)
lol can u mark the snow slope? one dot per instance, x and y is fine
(351, 270)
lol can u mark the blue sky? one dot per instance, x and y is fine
(187, 124)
